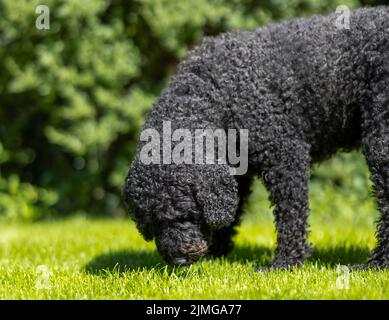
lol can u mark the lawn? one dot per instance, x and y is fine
(85, 258)
(80, 258)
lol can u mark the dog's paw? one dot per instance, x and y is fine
(358, 267)
(280, 265)
(371, 265)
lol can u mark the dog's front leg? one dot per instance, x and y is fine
(286, 175)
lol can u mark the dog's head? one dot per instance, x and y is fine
(180, 206)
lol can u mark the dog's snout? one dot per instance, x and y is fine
(197, 248)
(182, 243)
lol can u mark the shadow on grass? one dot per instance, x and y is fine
(260, 255)
(330, 256)
(344, 255)
(124, 260)
(130, 260)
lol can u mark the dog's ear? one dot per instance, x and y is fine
(137, 190)
(217, 195)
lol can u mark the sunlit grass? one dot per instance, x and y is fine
(105, 259)
(81, 258)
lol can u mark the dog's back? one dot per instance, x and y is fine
(314, 73)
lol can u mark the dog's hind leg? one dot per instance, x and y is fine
(286, 175)
(375, 143)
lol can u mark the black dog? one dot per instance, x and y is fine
(305, 89)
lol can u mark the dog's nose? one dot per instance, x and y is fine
(180, 261)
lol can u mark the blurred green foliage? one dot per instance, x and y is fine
(72, 98)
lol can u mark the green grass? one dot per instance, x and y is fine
(79, 258)
(107, 259)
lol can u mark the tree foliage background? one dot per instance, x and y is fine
(72, 98)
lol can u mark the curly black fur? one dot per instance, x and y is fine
(304, 89)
